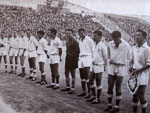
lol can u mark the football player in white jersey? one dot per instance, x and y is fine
(86, 45)
(140, 66)
(54, 52)
(32, 54)
(3, 50)
(14, 51)
(119, 55)
(23, 51)
(41, 51)
(98, 66)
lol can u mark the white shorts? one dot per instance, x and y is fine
(42, 58)
(97, 68)
(85, 61)
(3, 53)
(143, 78)
(21, 52)
(117, 70)
(13, 52)
(54, 59)
(32, 54)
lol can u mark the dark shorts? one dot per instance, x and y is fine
(71, 62)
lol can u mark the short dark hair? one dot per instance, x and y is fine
(99, 33)
(41, 32)
(53, 31)
(81, 29)
(70, 30)
(144, 34)
(116, 34)
(23, 30)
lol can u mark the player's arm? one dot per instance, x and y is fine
(104, 55)
(60, 53)
(60, 48)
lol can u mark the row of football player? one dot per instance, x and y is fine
(93, 58)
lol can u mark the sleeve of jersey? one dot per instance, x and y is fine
(59, 42)
(45, 45)
(148, 57)
(129, 53)
(35, 42)
(92, 45)
(104, 54)
(26, 44)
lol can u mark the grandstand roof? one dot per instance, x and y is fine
(136, 7)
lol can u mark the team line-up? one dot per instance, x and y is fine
(91, 55)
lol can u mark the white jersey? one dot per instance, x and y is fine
(4, 41)
(141, 58)
(23, 43)
(86, 46)
(42, 46)
(14, 42)
(32, 44)
(100, 54)
(54, 45)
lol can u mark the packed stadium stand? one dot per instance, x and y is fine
(15, 17)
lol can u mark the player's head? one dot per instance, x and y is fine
(116, 36)
(2, 34)
(140, 36)
(28, 33)
(22, 33)
(15, 33)
(52, 33)
(69, 33)
(97, 35)
(82, 33)
(40, 34)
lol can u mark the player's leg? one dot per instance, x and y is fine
(33, 59)
(23, 66)
(16, 64)
(11, 64)
(118, 84)
(83, 82)
(86, 76)
(31, 68)
(43, 73)
(20, 64)
(111, 81)
(57, 76)
(98, 77)
(73, 75)
(92, 86)
(67, 80)
(5, 61)
(142, 90)
(135, 101)
(52, 76)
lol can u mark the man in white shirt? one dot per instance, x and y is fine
(54, 55)
(32, 54)
(119, 55)
(14, 51)
(23, 53)
(98, 66)
(86, 45)
(3, 49)
(41, 52)
(141, 65)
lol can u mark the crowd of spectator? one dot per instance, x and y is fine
(17, 18)
(129, 24)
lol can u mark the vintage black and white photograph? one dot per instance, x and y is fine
(74, 56)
